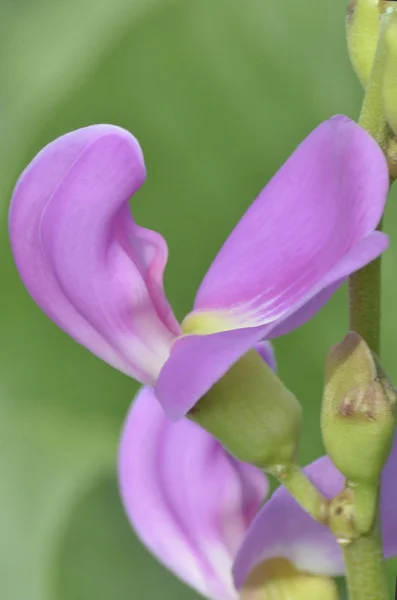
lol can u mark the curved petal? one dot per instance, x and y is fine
(188, 500)
(284, 530)
(363, 253)
(196, 363)
(81, 256)
(318, 210)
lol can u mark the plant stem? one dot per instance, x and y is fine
(364, 285)
(365, 303)
(364, 562)
(303, 490)
(366, 578)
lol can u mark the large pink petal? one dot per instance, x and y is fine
(93, 271)
(283, 529)
(317, 211)
(310, 228)
(188, 500)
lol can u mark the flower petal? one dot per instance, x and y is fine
(309, 229)
(196, 363)
(284, 530)
(82, 258)
(266, 351)
(365, 251)
(388, 504)
(188, 500)
(316, 211)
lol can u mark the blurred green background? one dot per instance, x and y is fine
(219, 92)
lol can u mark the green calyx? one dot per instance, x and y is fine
(252, 414)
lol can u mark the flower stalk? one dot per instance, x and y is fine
(303, 490)
(365, 573)
(365, 285)
(365, 303)
(363, 556)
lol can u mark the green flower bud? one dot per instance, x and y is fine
(358, 422)
(362, 29)
(389, 81)
(278, 579)
(252, 414)
(358, 412)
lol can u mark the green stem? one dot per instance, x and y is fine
(364, 285)
(303, 490)
(366, 578)
(365, 303)
(365, 568)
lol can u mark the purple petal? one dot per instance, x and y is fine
(266, 351)
(363, 253)
(307, 231)
(388, 504)
(188, 500)
(85, 262)
(196, 363)
(283, 529)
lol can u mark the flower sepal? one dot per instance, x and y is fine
(252, 414)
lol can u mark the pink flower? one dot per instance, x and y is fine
(99, 275)
(193, 505)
